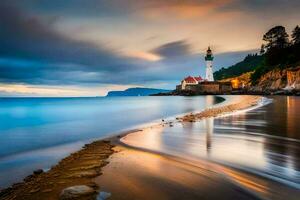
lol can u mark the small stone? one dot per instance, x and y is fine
(103, 195)
(38, 171)
(76, 191)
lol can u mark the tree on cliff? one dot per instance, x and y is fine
(276, 37)
(277, 43)
(279, 53)
(296, 35)
(276, 51)
(262, 49)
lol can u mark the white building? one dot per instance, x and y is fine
(190, 80)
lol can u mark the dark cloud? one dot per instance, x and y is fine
(99, 8)
(173, 49)
(28, 37)
(33, 52)
(264, 8)
(121, 8)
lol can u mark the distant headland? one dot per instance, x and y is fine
(138, 91)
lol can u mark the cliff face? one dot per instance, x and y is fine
(279, 79)
(293, 78)
(240, 81)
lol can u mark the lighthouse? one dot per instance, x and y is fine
(209, 68)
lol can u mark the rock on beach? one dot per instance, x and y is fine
(76, 191)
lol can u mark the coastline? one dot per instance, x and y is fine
(76, 169)
(247, 102)
(249, 91)
(81, 167)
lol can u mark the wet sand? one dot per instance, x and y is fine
(77, 169)
(139, 159)
(132, 174)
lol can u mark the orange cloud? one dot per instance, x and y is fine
(143, 55)
(185, 10)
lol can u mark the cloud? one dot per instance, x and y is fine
(32, 52)
(266, 6)
(186, 10)
(68, 43)
(173, 49)
(148, 56)
(28, 37)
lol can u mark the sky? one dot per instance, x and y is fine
(86, 48)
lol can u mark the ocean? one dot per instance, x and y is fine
(37, 132)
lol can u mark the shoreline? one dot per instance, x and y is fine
(81, 167)
(250, 101)
(234, 92)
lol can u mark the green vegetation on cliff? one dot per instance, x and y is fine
(277, 52)
(250, 63)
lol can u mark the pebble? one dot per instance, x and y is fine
(75, 192)
(38, 171)
(103, 195)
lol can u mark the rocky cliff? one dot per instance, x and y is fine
(242, 81)
(287, 79)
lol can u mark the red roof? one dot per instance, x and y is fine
(191, 79)
(198, 78)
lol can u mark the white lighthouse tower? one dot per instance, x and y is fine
(209, 68)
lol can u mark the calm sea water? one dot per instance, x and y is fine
(265, 141)
(38, 132)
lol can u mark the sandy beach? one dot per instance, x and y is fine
(237, 104)
(77, 169)
(111, 169)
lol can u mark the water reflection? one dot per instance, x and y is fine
(293, 117)
(247, 141)
(209, 131)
